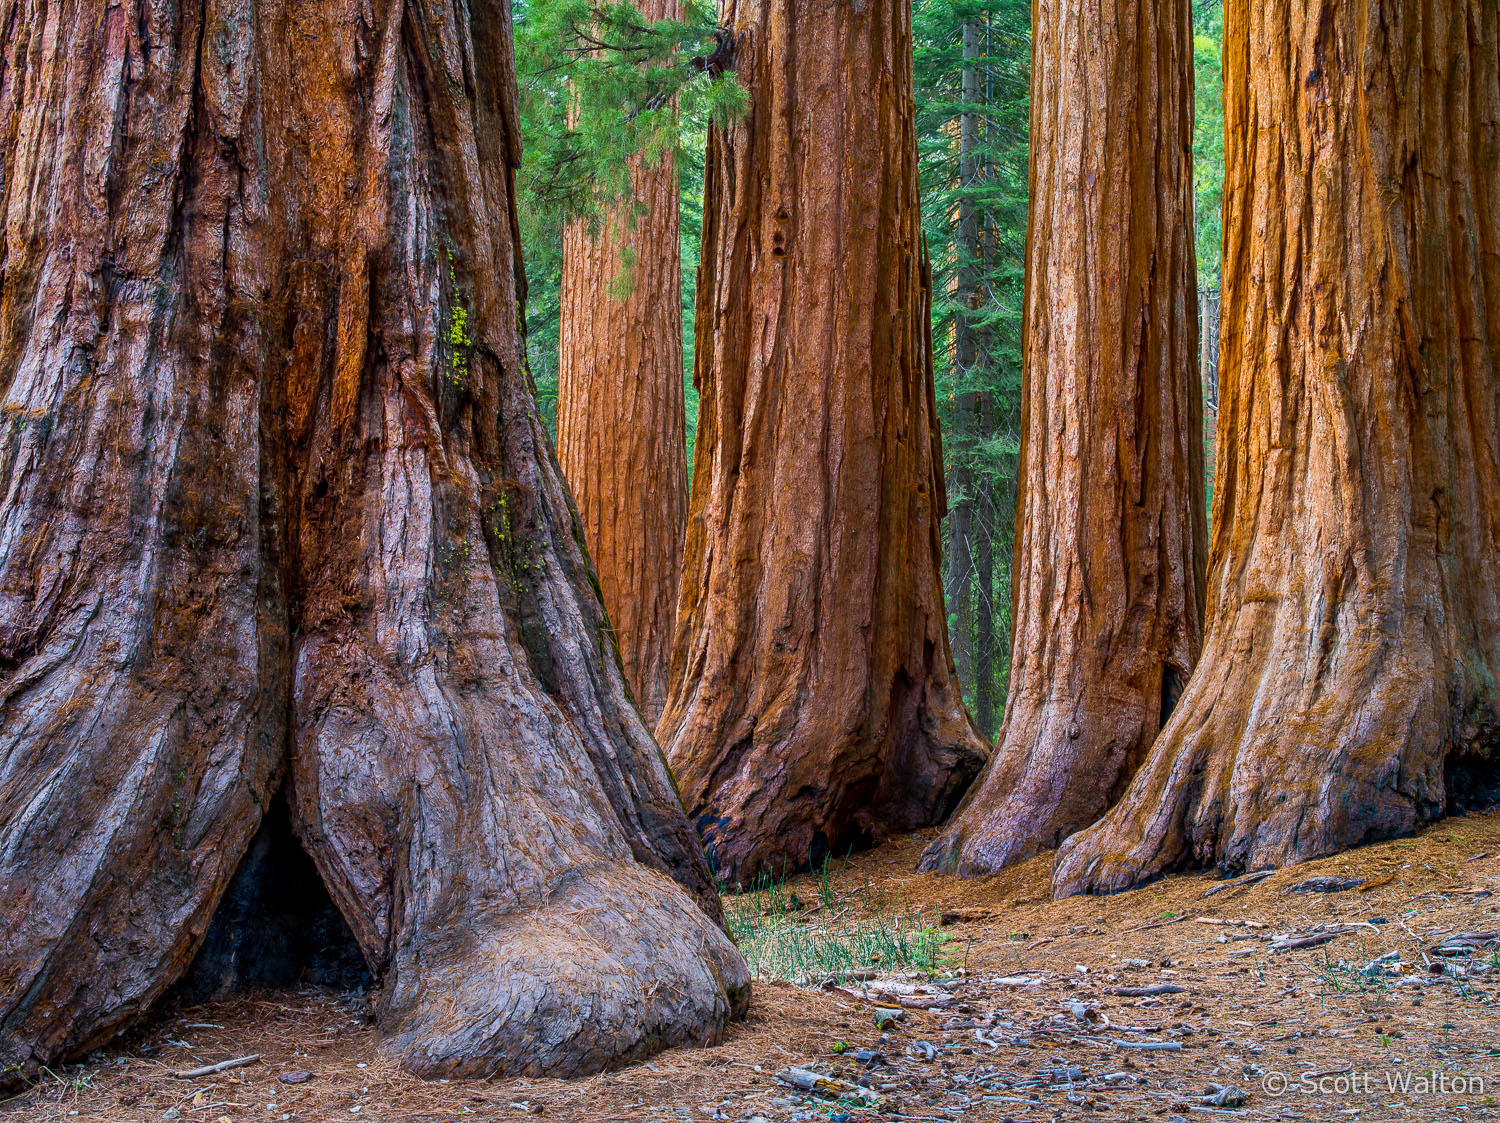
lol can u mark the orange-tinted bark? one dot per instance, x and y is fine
(277, 499)
(813, 702)
(1108, 578)
(1347, 690)
(620, 421)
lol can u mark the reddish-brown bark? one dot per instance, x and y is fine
(1108, 578)
(813, 701)
(1347, 687)
(275, 488)
(620, 416)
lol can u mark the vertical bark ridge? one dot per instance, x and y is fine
(813, 702)
(1111, 528)
(1347, 689)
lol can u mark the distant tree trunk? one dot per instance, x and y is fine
(1111, 540)
(621, 439)
(984, 584)
(813, 702)
(1208, 346)
(277, 498)
(964, 430)
(1347, 689)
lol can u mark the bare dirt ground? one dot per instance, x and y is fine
(1168, 1003)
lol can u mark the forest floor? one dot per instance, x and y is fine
(1168, 1003)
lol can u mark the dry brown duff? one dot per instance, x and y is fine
(1347, 687)
(813, 701)
(274, 481)
(620, 415)
(1108, 580)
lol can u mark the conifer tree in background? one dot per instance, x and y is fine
(620, 423)
(604, 92)
(1347, 690)
(813, 703)
(972, 68)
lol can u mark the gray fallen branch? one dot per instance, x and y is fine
(209, 1070)
(1238, 883)
(1147, 992)
(1153, 1046)
(806, 1080)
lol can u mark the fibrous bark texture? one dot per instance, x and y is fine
(620, 415)
(813, 702)
(1112, 539)
(1347, 687)
(275, 489)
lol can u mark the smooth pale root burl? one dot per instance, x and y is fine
(277, 503)
(1112, 535)
(1347, 690)
(813, 703)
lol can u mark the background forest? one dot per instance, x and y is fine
(588, 108)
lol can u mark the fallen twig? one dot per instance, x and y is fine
(1237, 883)
(222, 1066)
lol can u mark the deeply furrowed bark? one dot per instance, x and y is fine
(1109, 557)
(274, 477)
(813, 702)
(1354, 634)
(620, 415)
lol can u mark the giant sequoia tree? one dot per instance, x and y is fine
(813, 701)
(277, 501)
(620, 416)
(1347, 690)
(1111, 531)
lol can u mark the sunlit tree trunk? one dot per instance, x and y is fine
(276, 499)
(620, 420)
(1347, 688)
(1111, 531)
(813, 702)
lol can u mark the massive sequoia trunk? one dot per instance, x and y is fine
(1347, 687)
(275, 490)
(813, 702)
(620, 416)
(1108, 572)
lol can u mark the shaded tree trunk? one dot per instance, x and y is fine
(277, 500)
(621, 436)
(963, 528)
(984, 584)
(1109, 558)
(813, 702)
(1347, 688)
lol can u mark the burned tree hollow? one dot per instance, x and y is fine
(276, 926)
(279, 509)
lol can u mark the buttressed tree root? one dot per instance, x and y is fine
(813, 701)
(277, 503)
(1108, 583)
(1347, 690)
